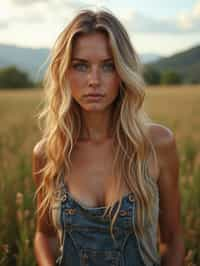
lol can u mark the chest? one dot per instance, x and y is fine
(91, 180)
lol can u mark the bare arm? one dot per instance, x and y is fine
(169, 217)
(45, 235)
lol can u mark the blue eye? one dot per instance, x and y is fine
(80, 66)
(109, 67)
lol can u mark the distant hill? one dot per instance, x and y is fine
(186, 63)
(32, 59)
(26, 59)
(149, 58)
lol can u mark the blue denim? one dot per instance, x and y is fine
(86, 235)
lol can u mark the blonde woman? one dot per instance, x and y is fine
(106, 175)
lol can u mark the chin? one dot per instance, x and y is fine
(94, 108)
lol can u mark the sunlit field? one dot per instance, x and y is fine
(175, 107)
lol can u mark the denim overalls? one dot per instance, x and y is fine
(86, 238)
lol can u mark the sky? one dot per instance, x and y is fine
(155, 26)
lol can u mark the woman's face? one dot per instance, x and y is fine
(92, 71)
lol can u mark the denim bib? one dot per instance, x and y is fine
(86, 239)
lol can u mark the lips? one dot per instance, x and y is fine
(93, 95)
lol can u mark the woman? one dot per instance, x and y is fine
(106, 175)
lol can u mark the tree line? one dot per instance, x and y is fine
(12, 77)
(154, 77)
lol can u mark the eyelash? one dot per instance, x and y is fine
(83, 64)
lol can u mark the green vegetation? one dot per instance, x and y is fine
(151, 75)
(186, 64)
(176, 69)
(11, 77)
(154, 77)
(170, 77)
(19, 133)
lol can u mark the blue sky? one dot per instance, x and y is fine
(162, 27)
(157, 8)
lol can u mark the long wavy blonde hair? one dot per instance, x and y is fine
(62, 121)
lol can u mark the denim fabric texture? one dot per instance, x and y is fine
(86, 238)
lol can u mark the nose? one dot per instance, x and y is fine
(94, 77)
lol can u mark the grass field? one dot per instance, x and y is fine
(175, 107)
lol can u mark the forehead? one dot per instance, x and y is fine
(91, 45)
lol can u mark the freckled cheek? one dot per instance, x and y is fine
(107, 83)
(113, 86)
(77, 84)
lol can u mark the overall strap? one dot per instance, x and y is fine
(62, 183)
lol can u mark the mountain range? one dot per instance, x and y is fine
(186, 64)
(35, 60)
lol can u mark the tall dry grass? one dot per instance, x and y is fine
(176, 107)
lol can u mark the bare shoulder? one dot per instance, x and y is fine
(168, 183)
(44, 224)
(38, 160)
(160, 135)
(164, 142)
(38, 149)
(163, 139)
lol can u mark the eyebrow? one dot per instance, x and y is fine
(84, 60)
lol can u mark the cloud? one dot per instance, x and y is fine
(52, 3)
(59, 5)
(27, 2)
(31, 16)
(190, 21)
(196, 10)
(3, 24)
(187, 22)
(46, 11)
(73, 4)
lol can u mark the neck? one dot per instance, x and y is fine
(96, 126)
